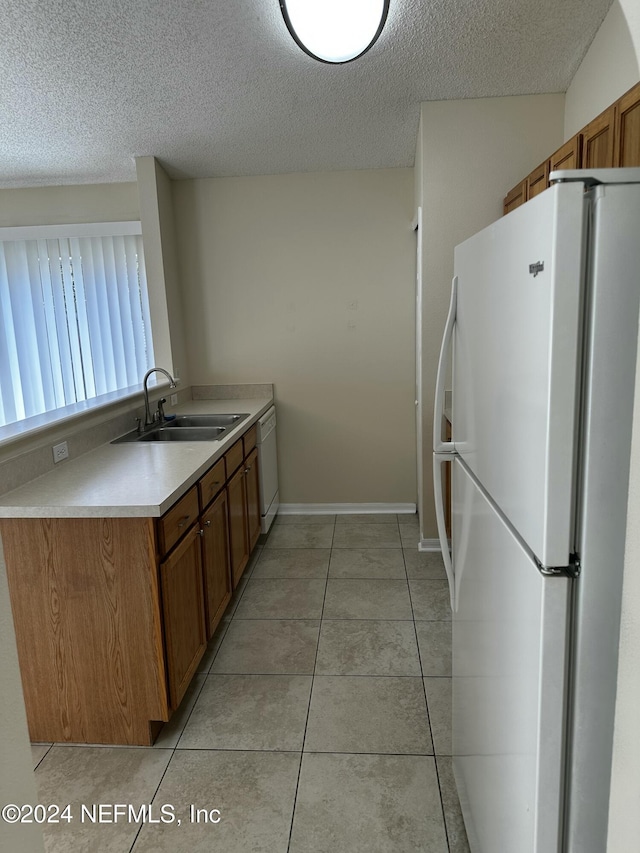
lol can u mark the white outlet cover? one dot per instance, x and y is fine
(60, 451)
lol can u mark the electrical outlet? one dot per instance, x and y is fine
(60, 451)
(174, 399)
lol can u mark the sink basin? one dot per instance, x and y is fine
(187, 428)
(191, 433)
(184, 421)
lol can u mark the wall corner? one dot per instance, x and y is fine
(158, 234)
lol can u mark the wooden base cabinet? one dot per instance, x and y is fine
(86, 605)
(112, 615)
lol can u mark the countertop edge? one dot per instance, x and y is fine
(21, 502)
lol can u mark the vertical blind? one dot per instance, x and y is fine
(74, 320)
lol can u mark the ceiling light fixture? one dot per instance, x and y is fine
(335, 31)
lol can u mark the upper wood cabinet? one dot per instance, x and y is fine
(597, 141)
(627, 124)
(515, 197)
(538, 180)
(612, 139)
(568, 155)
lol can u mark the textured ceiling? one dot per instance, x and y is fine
(218, 87)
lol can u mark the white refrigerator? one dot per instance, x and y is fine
(543, 328)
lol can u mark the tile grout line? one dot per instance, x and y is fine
(174, 749)
(426, 701)
(320, 623)
(276, 751)
(313, 675)
(42, 758)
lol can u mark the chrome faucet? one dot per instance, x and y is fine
(148, 419)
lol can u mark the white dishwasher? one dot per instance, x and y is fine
(268, 464)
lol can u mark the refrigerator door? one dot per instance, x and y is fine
(509, 682)
(515, 371)
(610, 375)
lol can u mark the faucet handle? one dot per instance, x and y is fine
(160, 412)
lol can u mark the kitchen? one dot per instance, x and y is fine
(261, 291)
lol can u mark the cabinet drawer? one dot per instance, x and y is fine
(178, 520)
(211, 483)
(249, 439)
(234, 457)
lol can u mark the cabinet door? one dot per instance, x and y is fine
(627, 135)
(568, 156)
(253, 498)
(515, 197)
(538, 180)
(215, 559)
(597, 142)
(183, 611)
(238, 537)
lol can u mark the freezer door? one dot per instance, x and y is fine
(509, 677)
(515, 372)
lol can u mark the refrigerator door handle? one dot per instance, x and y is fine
(440, 446)
(438, 460)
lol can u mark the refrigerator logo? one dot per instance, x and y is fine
(534, 269)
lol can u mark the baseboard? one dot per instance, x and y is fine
(429, 545)
(346, 509)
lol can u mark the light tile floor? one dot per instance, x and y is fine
(319, 720)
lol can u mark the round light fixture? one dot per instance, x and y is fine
(335, 31)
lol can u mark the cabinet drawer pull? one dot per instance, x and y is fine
(215, 483)
(207, 524)
(246, 470)
(200, 532)
(183, 520)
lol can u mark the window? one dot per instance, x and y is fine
(74, 315)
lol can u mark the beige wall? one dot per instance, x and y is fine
(307, 281)
(607, 71)
(70, 204)
(624, 817)
(165, 298)
(17, 782)
(470, 154)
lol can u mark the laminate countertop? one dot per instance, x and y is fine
(136, 479)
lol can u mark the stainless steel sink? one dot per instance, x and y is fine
(171, 433)
(184, 421)
(187, 428)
